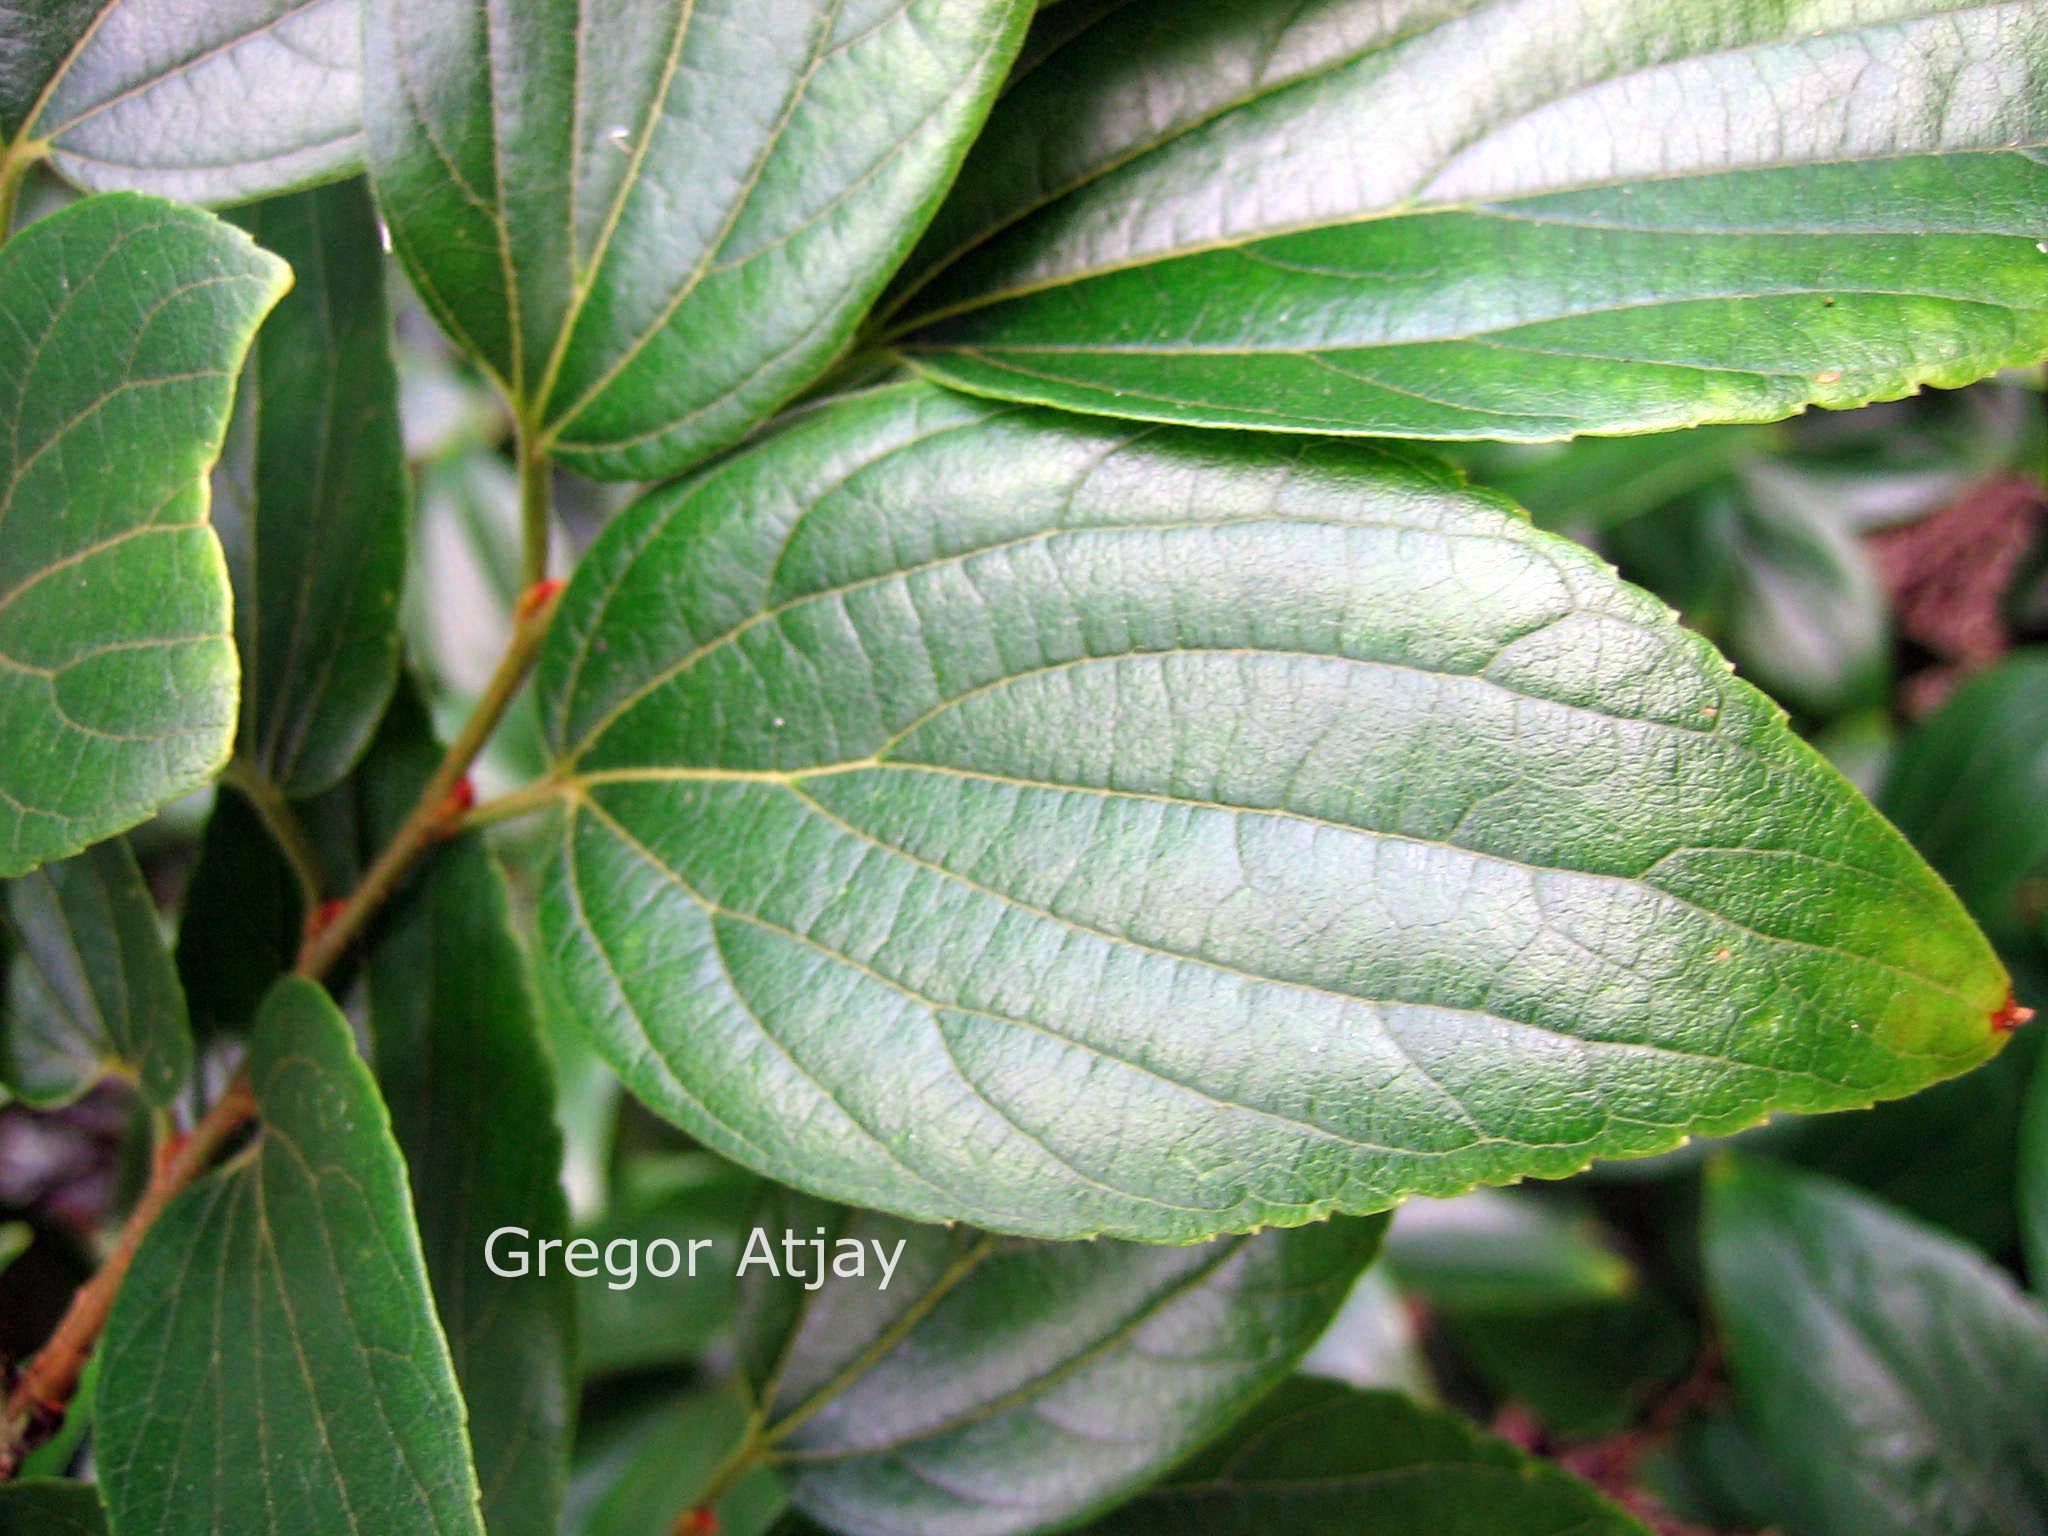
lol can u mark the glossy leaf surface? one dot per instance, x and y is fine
(1320, 1460)
(211, 102)
(1512, 219)
(274, 1352)
(1901, 1379)
(1001, 1386)
(655, 223)
(310, 497)
(122, 322)
(985, 815)
(90, 986)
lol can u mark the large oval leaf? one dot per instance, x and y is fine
(1505, 219)
(210, 103)
(995, 1387)
(656, 226)
(983, 814)
(274, 1351)
(122, 322)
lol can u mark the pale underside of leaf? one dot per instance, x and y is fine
(208, 103)
(1069, 829)
(1517, 219)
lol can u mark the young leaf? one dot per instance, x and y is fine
(208, 103)
(50, 1507)
(311, 499)
(460, 1063)
(274, 1352)
(657, 226)
(1900, 1378)
(1501, 219)
(988, 815)
(1002, 1386)
(1320, 1457)
(122, 322)
(90, 987)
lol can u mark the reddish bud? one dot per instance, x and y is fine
(2011, 1016)
(322, 917)
(455, 805)
(698, 1522)
(536, 598)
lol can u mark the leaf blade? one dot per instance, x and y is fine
(930, 742)
(310, 1238)
(1354, 219)
(127, 318)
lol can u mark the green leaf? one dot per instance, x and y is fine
(122, 321)
(311, 498)
(90, 987)
(1495, 1250)
(274, 1352)
(635, 1476)
(242, 923)
(460, 1063)
(1319, 1459)
(207, 103)
(987, 815)
(655, 230)
(50, 1507)
(1001, 1386)
(1901, 1379)
(1499, 219)
(2033, 1178)
(1970, 787)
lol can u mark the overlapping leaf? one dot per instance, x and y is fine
(1513, 219)
(122, 322)
(90, 986)
(654, 222)
(1900, 1378)
(310, 498)
(997, 1387)
(50, 1507)
(209, 103)
(987, 815)
(274, 1352)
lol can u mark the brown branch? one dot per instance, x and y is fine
(42, 1393)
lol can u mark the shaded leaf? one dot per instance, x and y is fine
(50, 1507)
(638, 1475)
(1901, 1379)
(1504, 219)
(122, 322)
(655, 230)
(281, 1308)
(1000, 1386)
(1498, 1249)
(987, 815)
(242, 921)
(207, 103)
(2033, 1179)
(90, 986)
(311, 498)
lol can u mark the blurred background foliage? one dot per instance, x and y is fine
(1882, 573)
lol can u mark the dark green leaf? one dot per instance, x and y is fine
(209, 103)
(1500, 219)
(50, 1507)
(2033, 1178)
(122, 322)
(635, 1477)
(988, 815)
(1323, 1460)
(1970, 787)
(460, 1063)
(1000, 1386)
(243, 920)
(90, 987)
(274, 1352)
(1901, 1379)
(657, 226)
(311, 500)
(1493, 1250)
